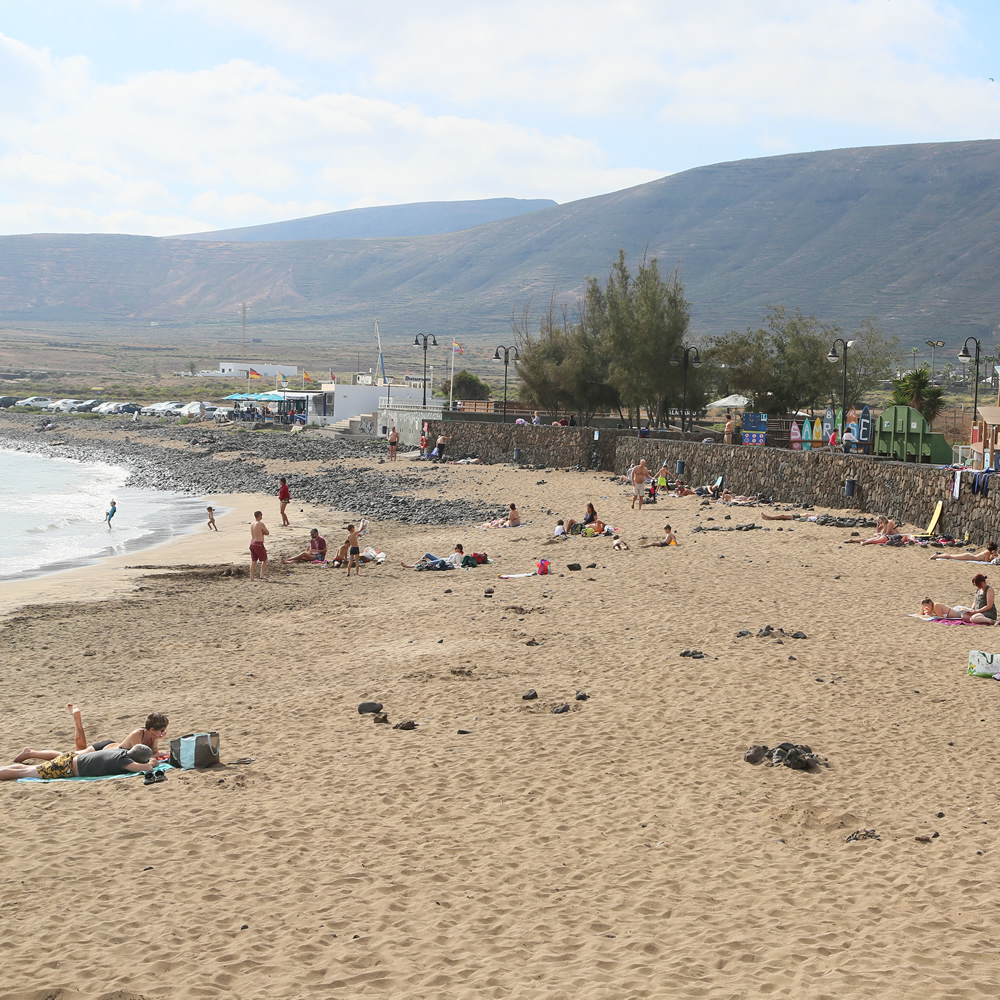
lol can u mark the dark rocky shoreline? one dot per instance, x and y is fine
(150, 454)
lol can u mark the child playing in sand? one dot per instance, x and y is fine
(354, 551)
(669, 538)
(211, 519)
(620, 545)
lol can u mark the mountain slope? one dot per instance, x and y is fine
(419, 219)
(908, 234)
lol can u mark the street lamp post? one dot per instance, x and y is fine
(424, 338)
(688, 361)
(965, 357)
(933, 345)
(833, 357)
(508, 352)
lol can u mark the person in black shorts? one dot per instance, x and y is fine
(354, 553)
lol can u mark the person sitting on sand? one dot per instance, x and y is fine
(315, 553)
(589, 517)
(341, 558)
(987, 555)
(934, 609)
(100, 763)
(669, 538)
(512, 520)
(619, 544)
(560, 531)
(984, 611)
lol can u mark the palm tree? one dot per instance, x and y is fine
(916, 389)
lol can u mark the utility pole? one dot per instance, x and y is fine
(244, 332)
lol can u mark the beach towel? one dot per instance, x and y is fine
(164, 766)
(942, 621)
(515, 576)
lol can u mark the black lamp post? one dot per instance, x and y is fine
(833, 357)
(507, 353)
(688, 361)
(425, 337)
(965, 357)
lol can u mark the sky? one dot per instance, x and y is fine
(157, 117)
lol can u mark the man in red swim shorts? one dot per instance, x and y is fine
(258, 554)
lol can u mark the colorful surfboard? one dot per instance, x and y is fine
(852, 420)
(839, 418)
(818, 439)
(865, 428)
(807, 435)
(829, 423)
(795, 437)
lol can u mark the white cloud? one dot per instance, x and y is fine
(435, 101)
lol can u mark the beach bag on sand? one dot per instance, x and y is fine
(195, 750)
(480, 557)
(543, 567)
(983, 664)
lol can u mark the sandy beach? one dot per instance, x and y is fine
(622, 849)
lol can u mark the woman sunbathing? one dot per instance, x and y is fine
(987, 555)
(512, 520)
(154, 729)
(935, 609)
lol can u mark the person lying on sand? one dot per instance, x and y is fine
(884, 527)
(82, 765)
(431, 561)
(153, 730)
(316, 551)
(987, 555)
(668, 539)
(934, 609)
(984, 611)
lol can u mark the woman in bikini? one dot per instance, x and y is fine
(153, 730)
(987, 555)
(930, 608)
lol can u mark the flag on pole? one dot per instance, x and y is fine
(253, 374)
(456, 346)
(306, 377)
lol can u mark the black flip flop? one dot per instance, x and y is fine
(149, 778)
(159, 776)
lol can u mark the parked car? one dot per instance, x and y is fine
(34, 401)
(106, 407)
(223, 413)
(161, 409)
(86, 406)
(62, 405)
(6, 401)
(129, 408)
(193, 409)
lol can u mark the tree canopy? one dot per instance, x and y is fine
(782, 365)
(465, 385)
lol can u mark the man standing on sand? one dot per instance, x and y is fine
(284, 495)
(393, 443)
(639, 475)
(258, 554)
(728, 433)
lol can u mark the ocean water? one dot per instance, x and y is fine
(53, 514)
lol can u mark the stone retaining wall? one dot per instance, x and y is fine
(905, 491)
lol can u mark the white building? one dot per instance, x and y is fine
(241, 369)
